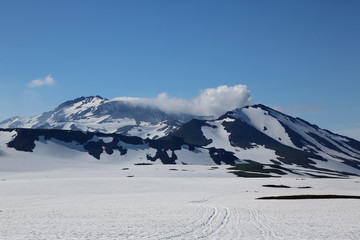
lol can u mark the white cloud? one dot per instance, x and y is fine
(216, 101)
(210, 102)
(47, 81)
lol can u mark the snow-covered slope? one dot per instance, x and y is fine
(97, 114)
(257, 140)
(81, 147)
(297, 133)
(227, 140)
(265, 137)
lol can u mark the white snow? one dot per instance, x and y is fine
(82, 106)
(196, 157)
(84, 115)
(264, 122)
(220, 139)
(149, 130)
(59, 192)
(103, 203)
(259, 153)
(103, 124)
(218, 135)
(304, 129)
(270, 123)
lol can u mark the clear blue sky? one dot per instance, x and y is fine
(300, 56)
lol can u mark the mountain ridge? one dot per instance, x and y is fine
(257, 135)
(98, 114)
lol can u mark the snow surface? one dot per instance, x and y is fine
(150, 130)
(220, 137)
(196, 157)
(95, 114)
(262, 154)
(59, 192)
(102, 203)
(303, 129)
(264, 122)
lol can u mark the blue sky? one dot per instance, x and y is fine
(302, 57)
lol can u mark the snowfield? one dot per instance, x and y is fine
(59, 191)
(113, 201)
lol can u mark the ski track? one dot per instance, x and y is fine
(257, 219)
(218, 222)
(153, 209)
(199, 220)
(209, 221)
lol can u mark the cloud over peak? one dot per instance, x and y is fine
(216, 101)
(210, 102)
(47, 81)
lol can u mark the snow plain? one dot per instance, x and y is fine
(57, 194)
(113, 201)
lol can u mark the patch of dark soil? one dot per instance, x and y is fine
(276, 186)
(310, 196)
(250, 174)
(213, 168)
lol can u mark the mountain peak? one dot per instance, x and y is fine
(95, 113)
(80, 99)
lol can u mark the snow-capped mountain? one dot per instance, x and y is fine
(261, 135)
(256, 140)
(97, 114)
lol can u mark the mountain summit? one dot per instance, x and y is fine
(98, 114)
(260, 134)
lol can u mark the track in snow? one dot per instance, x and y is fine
(104, 208)
(207, 224)
(218, 222)
(258, 220)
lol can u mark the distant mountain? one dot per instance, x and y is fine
(256, 141)
(97, 114)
